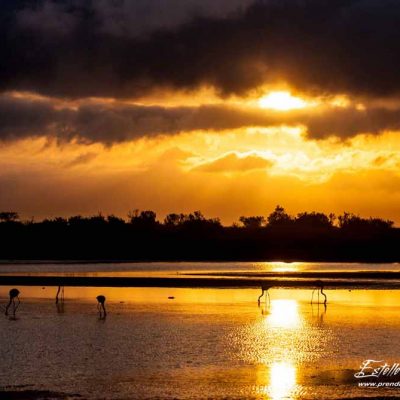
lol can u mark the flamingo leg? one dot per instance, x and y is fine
(8, 306)
(312, 296)
(58, 292)
(19, 302)
(262, 294)
(324, 295)
(13, 307)
(269, 298)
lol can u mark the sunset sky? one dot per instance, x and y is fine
(225, 106)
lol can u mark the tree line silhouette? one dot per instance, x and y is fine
(308, 236)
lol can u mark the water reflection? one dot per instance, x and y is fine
(283, 313)
(318, 312)
(60, 308)
(218, 336)
(283, 341)
(265, 308)
(282, 380)
(197, 296)
(280, 266)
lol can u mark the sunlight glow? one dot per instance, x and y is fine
(279, 266)
(281, 101)
(284, 314)
(282, 380)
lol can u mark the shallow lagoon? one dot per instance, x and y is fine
(204, 343)
(173, 268)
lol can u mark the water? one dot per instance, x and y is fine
(162, 268)
(203, 343)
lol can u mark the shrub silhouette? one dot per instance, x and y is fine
(309, 236)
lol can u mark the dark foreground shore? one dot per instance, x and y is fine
(36, 395)
(47, 395)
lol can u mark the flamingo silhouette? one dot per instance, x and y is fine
(60, 300)
(14, 293)
(267, 296)
(100, 305)
(319, 288)
(60, 291)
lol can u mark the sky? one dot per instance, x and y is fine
(225, 106)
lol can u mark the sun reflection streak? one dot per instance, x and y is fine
(283, 314)
(282, 379)
(284, 266)
(280, 266)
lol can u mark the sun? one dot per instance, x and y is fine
(281, 101)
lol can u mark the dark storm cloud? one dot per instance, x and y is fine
(104, 48)
(122, 18)
(110, 123)
(349, 122)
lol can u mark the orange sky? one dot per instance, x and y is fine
(225, 106)
(224, 172)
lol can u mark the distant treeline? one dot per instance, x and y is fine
(309, 236)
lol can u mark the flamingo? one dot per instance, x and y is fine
(100, 305)
(319, 288)
(14, 293)
(267, 296)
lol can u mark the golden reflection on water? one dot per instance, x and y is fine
(283, 313)
(278, 381)
(285, 309)
(273, 342)
(280, 266)
(152, 295)
(280, 349)
(282, 380)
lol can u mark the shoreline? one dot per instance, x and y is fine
(379, 282)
